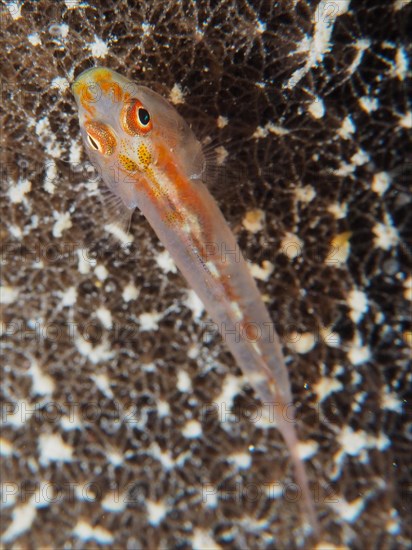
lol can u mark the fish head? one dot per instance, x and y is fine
(129, 129)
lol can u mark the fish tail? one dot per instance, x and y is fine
(288, 432)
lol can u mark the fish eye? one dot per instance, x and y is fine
(135, 118)
(100, 138)
(144, 117)
(92, 143)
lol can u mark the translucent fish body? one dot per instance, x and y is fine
(149, 158)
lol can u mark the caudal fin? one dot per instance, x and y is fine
(306, 503)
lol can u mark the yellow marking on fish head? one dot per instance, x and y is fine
(144, 155)
(127, 163)
(84, 96)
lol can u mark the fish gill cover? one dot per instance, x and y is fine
(125, 422)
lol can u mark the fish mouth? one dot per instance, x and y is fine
(81, 79)
(89, 72)
(81, 84)
(86, 82)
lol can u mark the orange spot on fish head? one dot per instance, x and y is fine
(144, 155)
(84, 95)
(127, 163)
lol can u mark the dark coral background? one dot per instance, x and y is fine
(109, 406)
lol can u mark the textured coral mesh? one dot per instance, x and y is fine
(116, 392)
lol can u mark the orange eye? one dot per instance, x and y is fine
(136, 119)
(100, 138)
